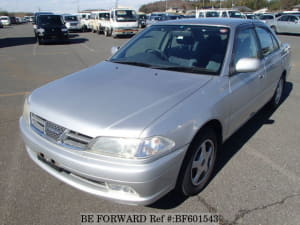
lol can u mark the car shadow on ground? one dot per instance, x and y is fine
(230, 148)
(66, 42)
(16, 41)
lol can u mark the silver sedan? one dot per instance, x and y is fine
(153, 117)
(287, 24)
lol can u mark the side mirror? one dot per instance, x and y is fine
(114, 50)
(246, 65)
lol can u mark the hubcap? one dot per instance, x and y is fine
(279, 92)
(202, 162)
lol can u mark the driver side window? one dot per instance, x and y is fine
(246, 45)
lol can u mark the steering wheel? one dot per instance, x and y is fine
(157, 53)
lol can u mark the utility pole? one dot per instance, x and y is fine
(117, 4)
(166, 5)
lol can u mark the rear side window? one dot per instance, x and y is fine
(284, 18)
(266, 40)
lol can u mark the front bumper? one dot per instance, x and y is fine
(53, 36)
(74, 27)
(124, 31)
(150, 181)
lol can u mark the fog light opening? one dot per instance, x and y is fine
(121, 189)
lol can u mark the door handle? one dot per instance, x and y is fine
(261, 76)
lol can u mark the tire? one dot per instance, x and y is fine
(199, 163)
(40, 42)
(277, 97)
(107, 32)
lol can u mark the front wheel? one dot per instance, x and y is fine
(107, 32)
(40, 41)
(198, 164)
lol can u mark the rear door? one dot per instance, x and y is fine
(293, 25)
(272, 59)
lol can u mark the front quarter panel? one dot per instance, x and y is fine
(182, 122)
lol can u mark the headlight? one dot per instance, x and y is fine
(131, 148)
(26, 110)
(64, 29)
(41, 30)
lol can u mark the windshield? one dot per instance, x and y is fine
(266, 17)
(212, 14)
(71, 18)
(185, 48)
(49, 20)
(125, 15)
(235, 14)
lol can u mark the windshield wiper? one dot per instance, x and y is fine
(186, 69)
(134, 63)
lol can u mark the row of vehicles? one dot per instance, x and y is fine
(284, 22)
(10, 20)
(287, 22)
(125, 21)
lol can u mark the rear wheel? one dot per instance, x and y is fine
(277, 97)
(198, 164)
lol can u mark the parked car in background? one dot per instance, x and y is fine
(84, 19)
(268, 18)
(224, 13)
(72, 23)
(50, 28)
(121, 22)
(154, 116)
(5, 20)
(27, 18)
(251, 16)
(142, 18)
(152, 20)
(287, 24)
(13, 20)
(99, 20)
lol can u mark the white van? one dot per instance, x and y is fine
(84, 19)
(97, 19)
(120, 21)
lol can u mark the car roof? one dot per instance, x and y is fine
(230, 22)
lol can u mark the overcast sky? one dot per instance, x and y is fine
(65, 6)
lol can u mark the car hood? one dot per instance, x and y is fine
(112, 99)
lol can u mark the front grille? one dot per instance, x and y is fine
(53, 30)
(58, 134)
(54, 131)
(73, 24)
